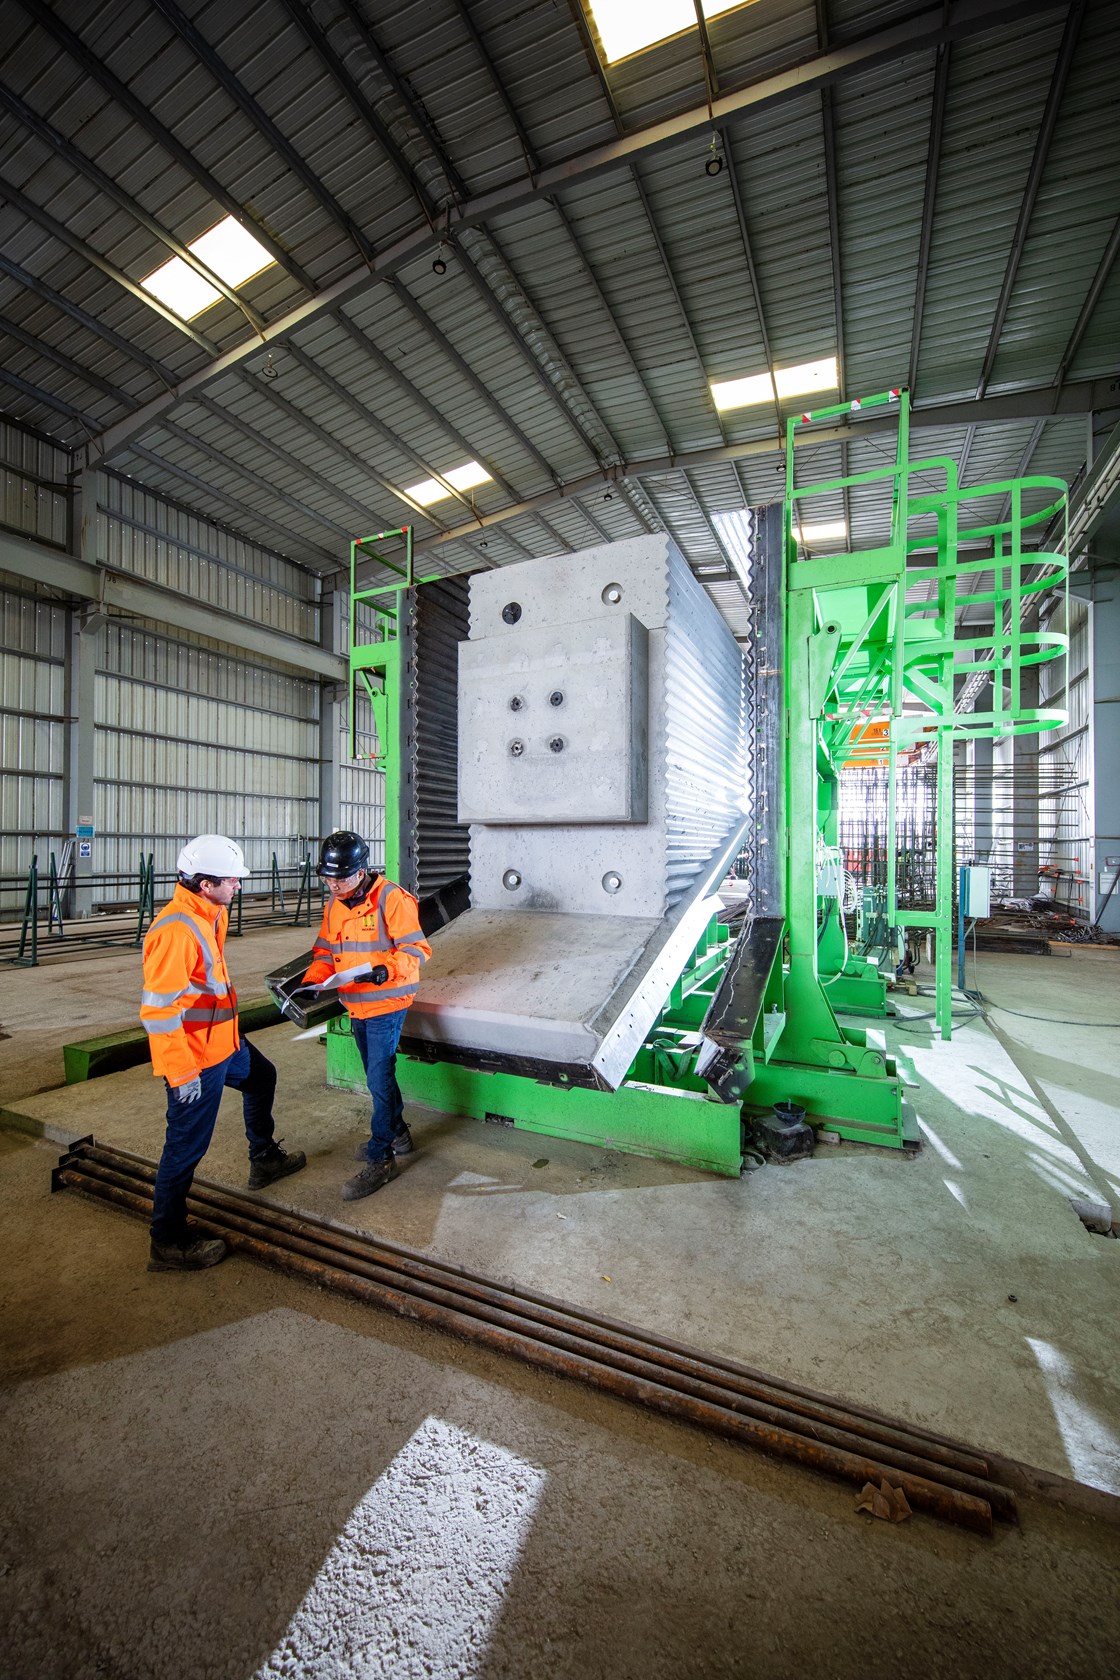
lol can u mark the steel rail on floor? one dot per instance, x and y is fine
(938, 1476)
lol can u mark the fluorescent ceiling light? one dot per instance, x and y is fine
(227, 250)
(625, 26)
(827, 530)
(797, 381)
(430, 490)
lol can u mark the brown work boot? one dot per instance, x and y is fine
(273, 1164)
(372, 1177)
(191, 1256)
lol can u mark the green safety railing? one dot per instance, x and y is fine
(886, 642)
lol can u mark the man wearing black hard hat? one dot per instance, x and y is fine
(371, 923)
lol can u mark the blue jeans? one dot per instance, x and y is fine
(190, 1126)
(377, 1037)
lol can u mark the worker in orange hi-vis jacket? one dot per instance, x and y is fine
(189, 1011)
(371, 924)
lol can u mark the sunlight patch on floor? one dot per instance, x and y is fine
(415, 1582)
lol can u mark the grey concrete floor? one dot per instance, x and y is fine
(232, 1472)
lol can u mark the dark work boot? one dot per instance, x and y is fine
(372, 1177)
(273, 1164)
(191, 1255)
(402, 1145)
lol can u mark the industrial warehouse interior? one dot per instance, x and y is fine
(561, 637)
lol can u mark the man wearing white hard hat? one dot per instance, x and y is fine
(189, 1011)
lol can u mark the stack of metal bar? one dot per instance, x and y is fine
(937, 1475)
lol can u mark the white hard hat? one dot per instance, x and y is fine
(212, 854)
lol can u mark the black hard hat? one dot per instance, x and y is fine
(341, 854)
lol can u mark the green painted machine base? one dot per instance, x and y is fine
(658, 1121)
(92, 1057)
(858, 993)
(860, 1108)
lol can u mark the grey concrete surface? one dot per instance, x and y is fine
(232, 1474)
(229, 1473)
(879, 1278)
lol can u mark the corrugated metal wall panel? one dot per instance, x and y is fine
(149, 537)
(32, 734)
(190, 740)
(34, 485)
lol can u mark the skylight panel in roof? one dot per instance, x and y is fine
(230, 253)
(800, 381)
(466, 477)
(178, 285)
(227, 250)
(629, 26)
(742, 393)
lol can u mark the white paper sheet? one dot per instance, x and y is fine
(344, 977)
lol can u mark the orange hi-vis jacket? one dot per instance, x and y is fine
(382, 928)
(188, 1007)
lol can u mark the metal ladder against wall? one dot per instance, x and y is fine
(885, 642)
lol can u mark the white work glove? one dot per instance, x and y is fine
(191, 1091)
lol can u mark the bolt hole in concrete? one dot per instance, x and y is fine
(556, 744)
(516, 703)
(611, 881)
(612, 594)
(511, 880)
(556, 698)
(516, 748)
(511, 612)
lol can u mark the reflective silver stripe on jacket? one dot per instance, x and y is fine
(414, 951)
(211, 1014)
(374, 994)
(162, 1000)
(155, 1027)
(212, 978)
(364, 946)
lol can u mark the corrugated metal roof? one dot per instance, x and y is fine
(612, 303)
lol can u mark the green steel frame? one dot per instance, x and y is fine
(375, 666)
(869, 636)
(662, 1109)
(877, 636)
